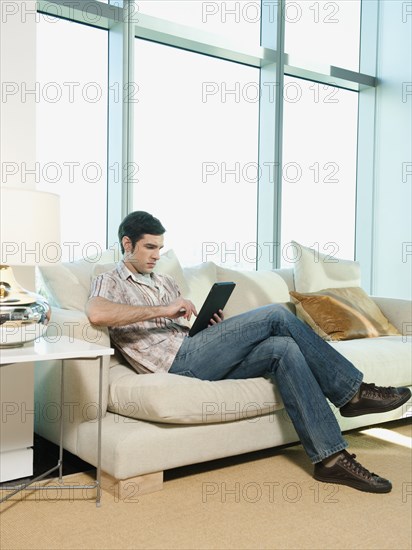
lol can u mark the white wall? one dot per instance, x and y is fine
(18, 76)
(18, 106)
(392, 241)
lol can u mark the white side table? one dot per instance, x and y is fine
(62, 349)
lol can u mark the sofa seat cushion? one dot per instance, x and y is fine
(386, 361)
(175, 399)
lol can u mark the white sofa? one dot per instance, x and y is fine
(157, 422)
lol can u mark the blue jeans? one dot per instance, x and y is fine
(272, 342)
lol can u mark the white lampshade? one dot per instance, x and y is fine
(30, 227)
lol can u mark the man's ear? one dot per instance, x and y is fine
(127, 245)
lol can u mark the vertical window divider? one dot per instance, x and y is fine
(129, 92)
(270, 141)
(365, 193)
(121, 167)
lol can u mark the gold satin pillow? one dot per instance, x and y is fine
(342, 314)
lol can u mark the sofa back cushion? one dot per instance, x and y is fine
(199, 279)
(253, 289)
(287, 275)
(67, 285)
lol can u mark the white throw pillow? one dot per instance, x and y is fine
(61, 287)
(314, 271)
(68, 284)
(253, 289)
(83, 269)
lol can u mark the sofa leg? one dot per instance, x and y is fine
(130, 489)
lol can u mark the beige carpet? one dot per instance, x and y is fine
(263, 500)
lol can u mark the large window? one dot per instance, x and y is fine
(200, 125)
(235, 20)
(196, 154)
(319, 167)
(323, 32)
(72, 129)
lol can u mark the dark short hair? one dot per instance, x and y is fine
(136, 224)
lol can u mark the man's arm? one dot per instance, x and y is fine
(103, 312)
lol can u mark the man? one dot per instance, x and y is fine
(145, 314)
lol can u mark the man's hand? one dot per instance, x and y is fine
(180, 308)
(217, 318)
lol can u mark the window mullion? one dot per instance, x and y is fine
(120, 107)
(270, 143)
(365, 196)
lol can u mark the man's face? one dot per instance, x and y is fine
(145, 254)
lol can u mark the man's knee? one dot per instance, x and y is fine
(281, 311)
(281, 342)
(286, 348)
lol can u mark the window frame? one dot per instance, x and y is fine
(270, 57)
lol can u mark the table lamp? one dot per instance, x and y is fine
(30, 230)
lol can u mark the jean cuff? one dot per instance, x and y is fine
(321, 456)
(352, 392)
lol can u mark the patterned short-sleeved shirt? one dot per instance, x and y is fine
(149, 346)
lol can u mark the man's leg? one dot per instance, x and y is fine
(213, 353)
(247, 346)
(222, 351)
(279, 358)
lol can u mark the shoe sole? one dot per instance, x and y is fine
(354, 485)
(361, 412)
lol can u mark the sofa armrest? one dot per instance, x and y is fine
(397, 311)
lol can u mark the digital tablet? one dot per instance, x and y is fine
(216, 299)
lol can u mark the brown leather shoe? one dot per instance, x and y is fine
(346, 471)
(376, 399)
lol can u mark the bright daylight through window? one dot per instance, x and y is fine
(195, 137)
(72, 130)
(323, 32)
(194, 134)
(319, 168)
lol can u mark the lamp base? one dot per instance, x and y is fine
(5, 346)
(23, 315)
(17, 337)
